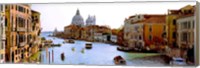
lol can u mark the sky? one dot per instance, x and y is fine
(111, 14)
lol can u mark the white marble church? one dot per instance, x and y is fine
(78, 20)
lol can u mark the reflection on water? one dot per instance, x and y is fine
(100, 54)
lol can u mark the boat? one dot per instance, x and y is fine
(73, 49)
(56, 45)
(88, 45)
(50, 35)
(62, 57)
(119, 60)
(82, 51)
(68, 41)
(124, 49)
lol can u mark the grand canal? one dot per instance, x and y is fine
(100, 54)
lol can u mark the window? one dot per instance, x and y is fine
(6, 6)
(6, 22)
(184, 36)
(138, 17)
(21, 22)
(150, 37)
(16, 7)
(21, 38)
(15, 51)
(174, 22)
(174, 35)
(1, 56)
(164, 28)
(150, 28)
(140, 38)
(184, 25)
(21, 9)
(193, 24)
(12, 42)
(189, 24)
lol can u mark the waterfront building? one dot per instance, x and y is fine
(72, 31)
(35, 34)
(18, 20)
(155, 32)
(78, 19)
(2, 33)
(113, 38)
(185, 31)
(98, 36)
(136, 35)
(21, 32)
(129, 29)
(141, 30)
(91, 20)
(171, 23)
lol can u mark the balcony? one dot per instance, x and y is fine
(22, 44)
(21, 29)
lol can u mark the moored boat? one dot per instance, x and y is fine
(123, 49)
(119, 60)
(68, 41)
(62, 56)
(88, 45)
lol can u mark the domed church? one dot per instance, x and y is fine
(91, 20)
(78, 19)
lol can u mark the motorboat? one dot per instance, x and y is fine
(88, 45)
(124, 49)
(62, 56)
(56, 45)
(119, 60)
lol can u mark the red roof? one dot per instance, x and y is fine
(153, 18)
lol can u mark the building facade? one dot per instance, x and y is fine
(140, 31)
(2, 33)
(34, 36)
(22, 30)
(132, 30)
(172, 23)
(185, 32)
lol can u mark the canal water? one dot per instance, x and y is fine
(100, 54)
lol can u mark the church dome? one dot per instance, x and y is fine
(90, 20)
(78, 19)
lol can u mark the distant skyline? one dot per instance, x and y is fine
(111, 14)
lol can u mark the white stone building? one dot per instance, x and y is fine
(113, 38)
(133, 32)
(185, 31)
(98, 36)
